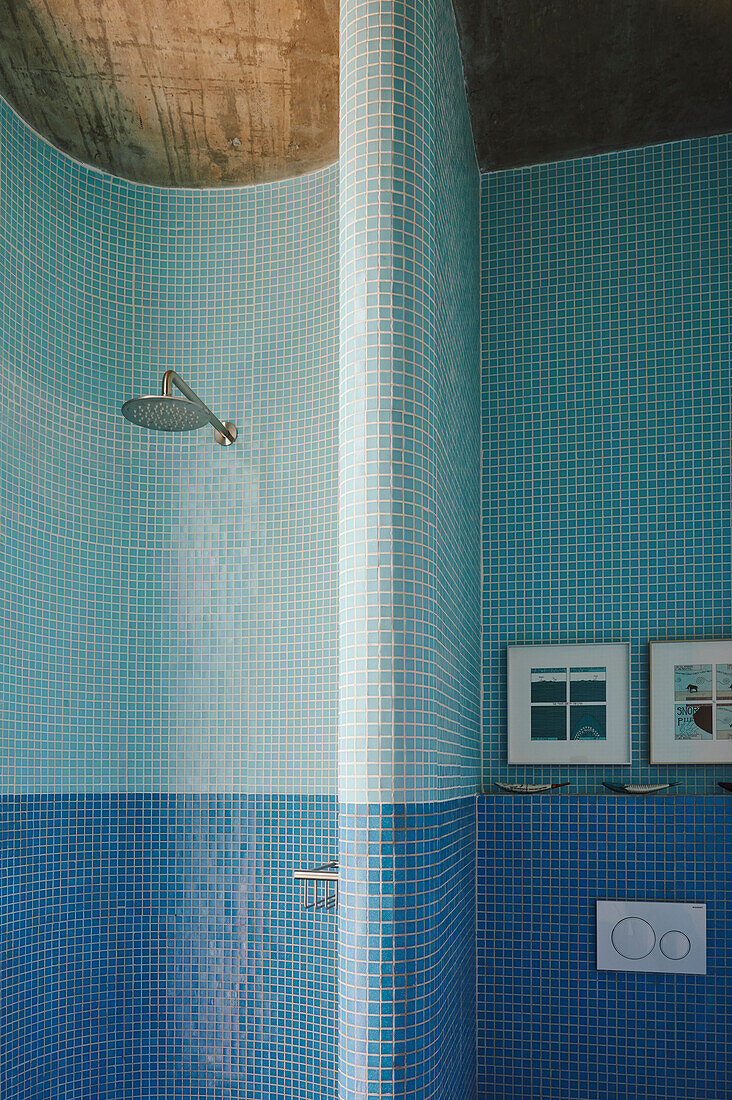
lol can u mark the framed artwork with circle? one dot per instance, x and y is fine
(691, 702)
(569, 704)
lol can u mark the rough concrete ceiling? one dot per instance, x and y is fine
(550, 79)
(178, 92)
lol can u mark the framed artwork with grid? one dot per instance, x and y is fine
(569, 704)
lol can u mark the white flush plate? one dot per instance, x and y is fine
(664, 937)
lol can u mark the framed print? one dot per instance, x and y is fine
(691, 702)
(568, 704)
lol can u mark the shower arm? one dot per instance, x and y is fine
(226, 431)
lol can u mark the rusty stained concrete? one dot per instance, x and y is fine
(178, 92)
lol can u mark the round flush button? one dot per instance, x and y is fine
(675, 945)
(633, 938)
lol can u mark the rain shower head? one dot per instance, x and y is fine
(165, 413)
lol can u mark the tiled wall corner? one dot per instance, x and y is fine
(409, 605)
(406, 951)
(607, 451)
(387, 301)
(409, 409)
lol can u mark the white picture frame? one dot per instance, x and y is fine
(691, 702)
(569, 704)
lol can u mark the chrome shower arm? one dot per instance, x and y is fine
(226, 431)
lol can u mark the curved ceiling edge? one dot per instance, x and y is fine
(181, 94)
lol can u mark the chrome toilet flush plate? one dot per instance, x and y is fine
(663, 937)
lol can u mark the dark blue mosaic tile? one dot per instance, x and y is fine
(406, 951)
(155, 946)
(550, 1025)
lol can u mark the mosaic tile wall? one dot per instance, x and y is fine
(167, 635)
(409, 610)
(171, 606)
(407, 948)
(607, 451)
(155, 946)
(552, 1027)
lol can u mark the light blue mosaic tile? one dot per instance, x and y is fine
(168, 618)
(607, 450)
(409, 602)
(409, 409)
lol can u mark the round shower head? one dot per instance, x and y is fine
(165, 414)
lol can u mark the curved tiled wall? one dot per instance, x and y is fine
(409, 607)
(168, 631)
(171, 624)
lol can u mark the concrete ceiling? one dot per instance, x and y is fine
(551, 79)
(215, 92)
(178, 92)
